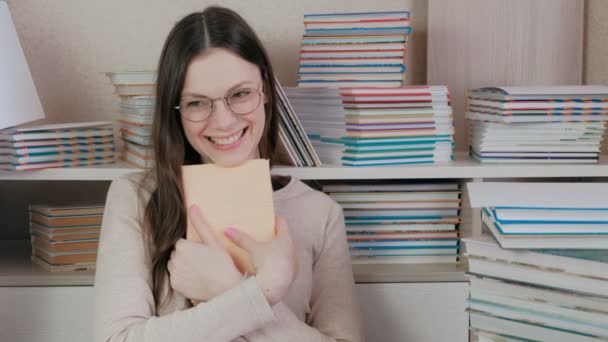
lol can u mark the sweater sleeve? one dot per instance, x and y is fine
(125, 308)
(335, 313)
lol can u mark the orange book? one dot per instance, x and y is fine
(64, 258)
(64, 246)
(238, 197)
(66, 221)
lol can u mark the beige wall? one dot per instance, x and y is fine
(596, 42)
(69, 44)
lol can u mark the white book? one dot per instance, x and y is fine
(404, 243)
(540, 295)
(547, 313)
(348, 54)
(132, 77)
(394, 227)
(389, 187)
(392, 196)
(402, 236)
(401, 205)
(354, 213)
(533, 118)
(379, 61)
(353, 46)
(558, 215)
(536, 104)
(485, 246)
(546, 241)
(525, 330)
(537, 276)
(409, 259)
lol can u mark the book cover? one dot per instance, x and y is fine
(239, 197)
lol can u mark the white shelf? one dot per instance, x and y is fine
(85, 173)
(16, 269)
(461, 168)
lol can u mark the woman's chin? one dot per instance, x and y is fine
(230, 160)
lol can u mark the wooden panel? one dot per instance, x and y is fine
(476, 43)
(49, 314)
(425, 312)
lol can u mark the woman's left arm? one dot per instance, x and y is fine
(335, 313)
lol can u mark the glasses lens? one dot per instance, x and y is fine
(244, 101)
(196, 109)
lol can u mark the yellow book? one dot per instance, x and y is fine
(238, 197)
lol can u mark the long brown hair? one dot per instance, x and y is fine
(165, 213)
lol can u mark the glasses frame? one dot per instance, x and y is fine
(259, 90)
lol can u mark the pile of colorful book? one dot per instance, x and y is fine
(396, 222)
(552, 124)
(377, 126)
(137, 99)
(540, 271)
(354, 49)
(56, 145)
(65, 238)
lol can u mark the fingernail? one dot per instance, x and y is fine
(231, 232)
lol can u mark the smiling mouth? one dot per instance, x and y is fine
(228, 140)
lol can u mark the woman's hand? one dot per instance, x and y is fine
(201, 271)
(275, 261)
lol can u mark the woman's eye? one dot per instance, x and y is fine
(195, 104)
(242, 93)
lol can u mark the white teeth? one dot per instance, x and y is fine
(227, 141)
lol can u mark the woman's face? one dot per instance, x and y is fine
(227, 137)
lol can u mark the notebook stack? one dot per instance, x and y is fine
(388, 222)
(137, 98)
(65, 238)
(297, 146)
(354, 49)
(540, 272)
(57, 145)
(377, 126)
(396, 126)
(552, 124)
(322, 116)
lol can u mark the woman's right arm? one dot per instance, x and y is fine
(125, 308)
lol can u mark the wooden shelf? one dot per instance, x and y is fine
(461, 168)
(16, 269)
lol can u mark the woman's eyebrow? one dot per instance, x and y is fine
(236, 86)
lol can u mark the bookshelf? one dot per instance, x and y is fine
(16, 269)
(461, 168)
(441, 289)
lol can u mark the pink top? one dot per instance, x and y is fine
(321, 304)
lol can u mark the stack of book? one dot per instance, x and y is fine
(57, 145)
(378, 126)
(552, 124)
(321, 113)
(65, 238)
(137, 99)
(296, 144)
(354, 49)
(540, 270)
(388, 222)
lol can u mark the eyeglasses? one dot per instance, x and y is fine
(240, 101)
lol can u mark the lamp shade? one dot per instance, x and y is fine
(19, 102)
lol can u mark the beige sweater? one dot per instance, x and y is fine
(319, 306)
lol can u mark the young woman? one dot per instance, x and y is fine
(216, 104)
